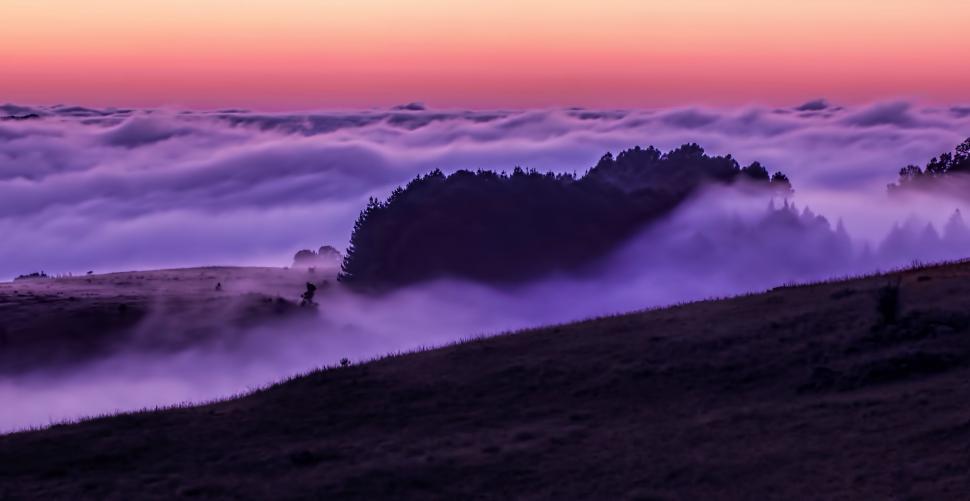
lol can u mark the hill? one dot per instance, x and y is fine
(57, 321)
(502, 228)
(797, 393)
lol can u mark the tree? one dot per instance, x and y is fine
(937, 169)
(963, 149)
(303, 257)
(306, 299)
(956, 234)
(756, 172)
(961, 158)
(781, 185)
(361, 250)
(502, 228)
(910, 173)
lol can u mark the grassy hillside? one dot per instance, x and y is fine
(58, 321)
(798, 393)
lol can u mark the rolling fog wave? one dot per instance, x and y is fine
(136, 189)
(120, 189)
(722, 243)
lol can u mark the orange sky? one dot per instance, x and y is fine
(480, 53)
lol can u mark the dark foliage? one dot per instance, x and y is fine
(15, 118)
(306, 299)
(326, 256)
(947, 165)
(29, 276)
(500, 228)
(305, 255)
(887, 302)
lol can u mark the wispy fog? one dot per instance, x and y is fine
(84, 189)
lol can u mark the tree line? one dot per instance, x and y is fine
(946, 166)
(499, 227)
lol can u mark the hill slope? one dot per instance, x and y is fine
(60, 321)
(791, 394)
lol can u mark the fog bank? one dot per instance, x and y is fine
(93, 189)
(107, 190)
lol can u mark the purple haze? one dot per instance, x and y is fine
(114, 190)
(108, 190)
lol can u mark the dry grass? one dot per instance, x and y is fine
(797, 393)
(58, 321)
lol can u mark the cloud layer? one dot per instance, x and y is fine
(108, 190)
(115, 189)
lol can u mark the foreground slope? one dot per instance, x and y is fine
(795, 393)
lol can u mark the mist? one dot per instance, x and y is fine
(112, 190)
(122, 189)
(722, 243)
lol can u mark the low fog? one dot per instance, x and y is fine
(119, 189)
(113, 190)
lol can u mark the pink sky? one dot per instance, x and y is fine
(480, 53)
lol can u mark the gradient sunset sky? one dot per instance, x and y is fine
(286, 54)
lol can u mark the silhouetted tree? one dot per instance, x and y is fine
(305, 256)
(756, 172)
(937, 169)
(781, 185)
(887, 302)
(326, 256)
(306, 299)
(955, 232)
(328, 253)
(500, 228)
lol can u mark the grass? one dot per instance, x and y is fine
(786, 394)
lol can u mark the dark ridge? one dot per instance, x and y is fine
(14, 118)
(504, 228)
(415, 106)
(787, 394)
(814, 105)
(30, 276)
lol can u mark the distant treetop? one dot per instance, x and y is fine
(947, 166)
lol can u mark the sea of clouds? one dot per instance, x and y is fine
(103, 190)
(86, 189)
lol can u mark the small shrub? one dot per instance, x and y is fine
(29, 276)
(306, 299)
(887, 303)
(345, 362)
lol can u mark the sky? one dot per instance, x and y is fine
(300, 54)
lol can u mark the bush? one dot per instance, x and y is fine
(30, 276)
(887, 303)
